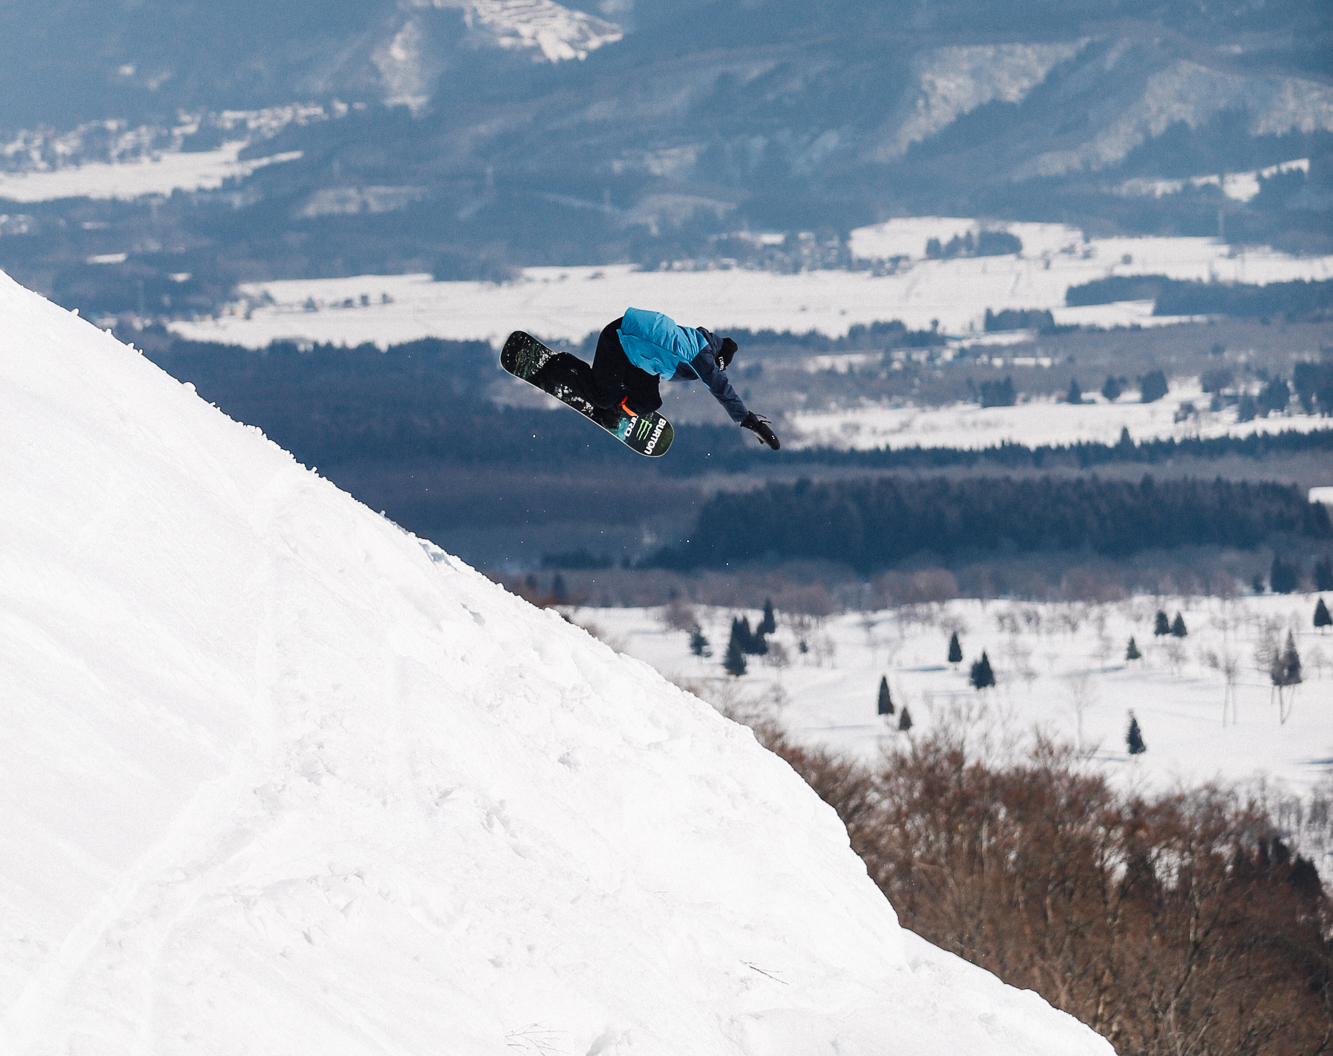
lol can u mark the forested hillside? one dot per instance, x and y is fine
(872, 524)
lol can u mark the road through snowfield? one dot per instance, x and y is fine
(278, 777)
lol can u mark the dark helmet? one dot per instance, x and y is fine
(726, 352)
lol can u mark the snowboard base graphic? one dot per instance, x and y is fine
(648, 434)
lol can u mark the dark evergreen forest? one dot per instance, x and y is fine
(873, 524)
(1287, 300)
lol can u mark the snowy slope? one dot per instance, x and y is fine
(277, 777)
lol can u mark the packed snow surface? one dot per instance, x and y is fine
(278, 777)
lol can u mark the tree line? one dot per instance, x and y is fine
(1299, 299)
(871, 524)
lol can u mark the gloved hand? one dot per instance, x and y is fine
(760, 427)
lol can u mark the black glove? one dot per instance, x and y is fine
(760, 427)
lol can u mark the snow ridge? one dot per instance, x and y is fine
(279, 777)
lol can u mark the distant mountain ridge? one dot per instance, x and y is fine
(511, 132)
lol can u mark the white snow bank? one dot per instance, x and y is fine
(276, 776)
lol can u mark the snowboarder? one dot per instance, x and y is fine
(634, 353)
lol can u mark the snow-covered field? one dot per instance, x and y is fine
(1052, 661)
(1037, 422)
(278, 777)
(572, 302)
(167, 172)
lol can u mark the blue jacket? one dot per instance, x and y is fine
(654, 343)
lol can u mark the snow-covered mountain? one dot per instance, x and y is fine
(278, 777)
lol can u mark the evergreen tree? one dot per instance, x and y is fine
(1162, 626)
(768, 625)
(1075, 394)
(904, 719)
(699, 644)
(1286, 675)
(1132, 653)
(1178, 626)
(1274, 397)
(751, 644)
(1321, 616)
(982, 676)
(734, 662)
(1134, 738)
(1286, 669)
(1323, 573)
(1152, 386)
(1111, 391)
(1282, 576)
(885, 701)
(955, 650)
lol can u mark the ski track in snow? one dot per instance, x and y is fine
(276, 776)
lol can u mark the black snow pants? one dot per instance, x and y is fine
(610, 379)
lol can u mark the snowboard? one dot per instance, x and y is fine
(648, 434)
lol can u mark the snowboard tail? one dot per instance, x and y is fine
(524, 356)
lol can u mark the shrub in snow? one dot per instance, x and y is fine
(679, 615)
(885, 704)
(699, 644)
(955, 649)
(982, 676)
(1134, 738)
(1321, 616)
(1132, 652)
(904, 719)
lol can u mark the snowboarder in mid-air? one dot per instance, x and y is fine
(634, 353)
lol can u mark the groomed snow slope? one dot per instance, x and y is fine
(277, 777)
